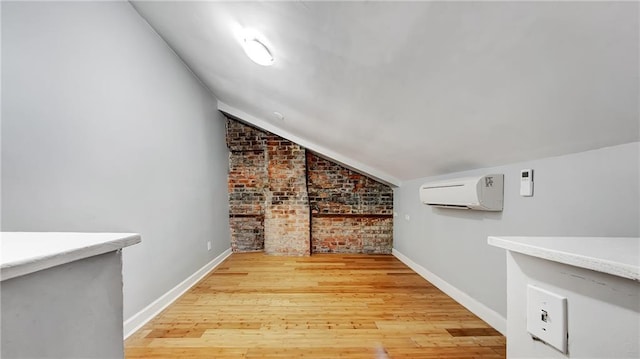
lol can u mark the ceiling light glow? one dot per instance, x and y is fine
(257, 51)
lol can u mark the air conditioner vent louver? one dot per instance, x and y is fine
(448, 205)
(443, 186)
(483, 193)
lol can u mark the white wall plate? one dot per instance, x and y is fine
(547, 317)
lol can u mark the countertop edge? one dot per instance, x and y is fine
(597, 264)
(34, 264)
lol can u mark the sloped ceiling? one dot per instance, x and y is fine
(407, 90)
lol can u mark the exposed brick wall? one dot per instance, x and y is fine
(285, 200)
(247, 184)
(351, 234)
(247, 234)
(243, 138)
(286, 223)
(351, 213)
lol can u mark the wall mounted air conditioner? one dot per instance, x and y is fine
(482, 193)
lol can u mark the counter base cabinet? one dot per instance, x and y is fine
(603, 310)
(73, 310)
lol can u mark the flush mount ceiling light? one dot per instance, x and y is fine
(257, 51)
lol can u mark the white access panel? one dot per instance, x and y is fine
(547, 317)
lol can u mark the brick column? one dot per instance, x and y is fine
(287, 221)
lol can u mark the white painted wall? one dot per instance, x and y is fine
(104, 129)
(594, 193)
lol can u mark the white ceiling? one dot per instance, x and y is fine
(407, 90)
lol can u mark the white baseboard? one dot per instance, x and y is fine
(485, 313)
(141, 318)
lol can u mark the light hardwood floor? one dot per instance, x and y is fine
(323, 306)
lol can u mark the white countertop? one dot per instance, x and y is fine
(27, 252)
(619, 256)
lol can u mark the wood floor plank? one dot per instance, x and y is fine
(473, 332)
(323, 306)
